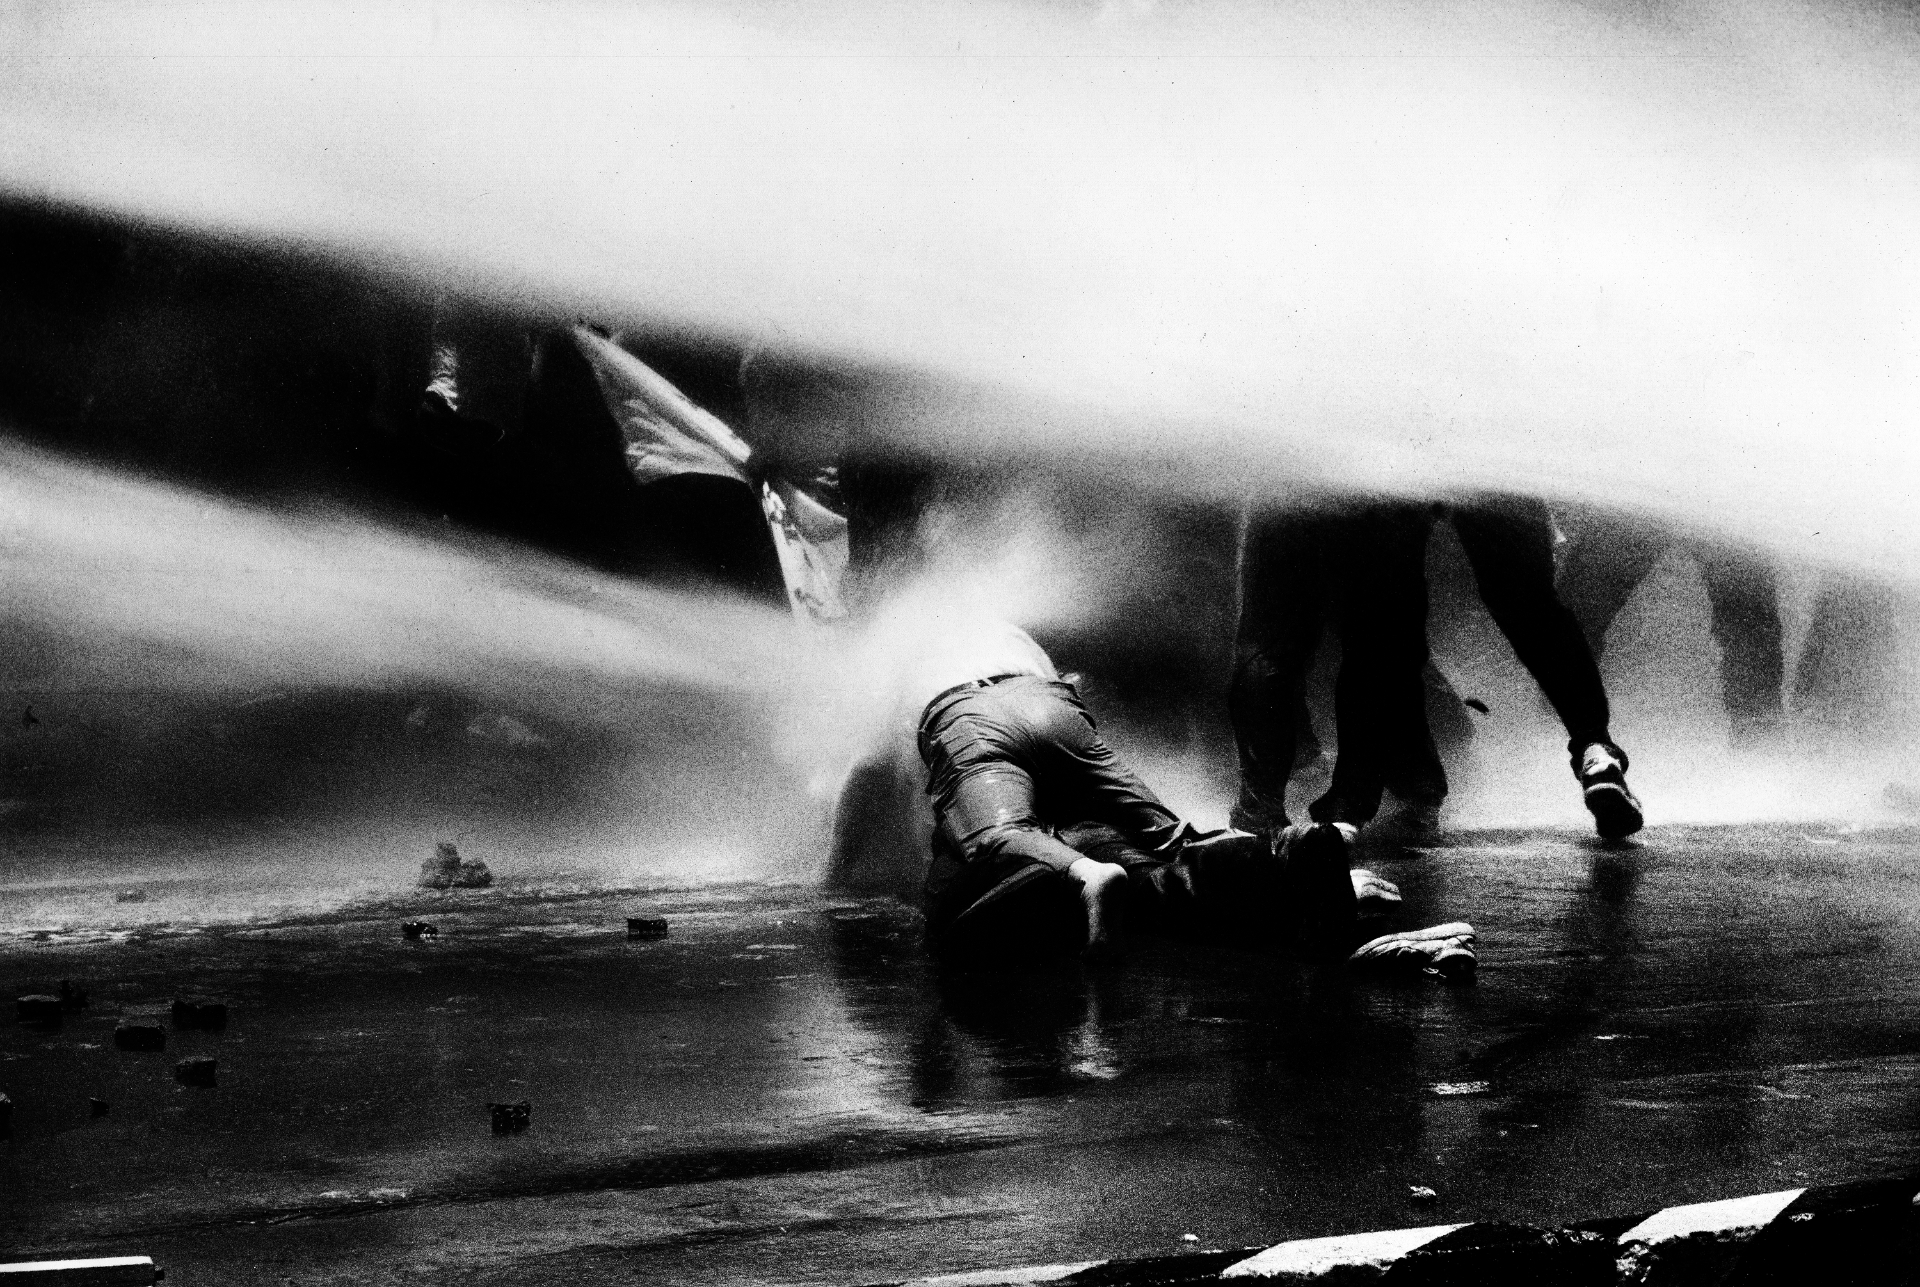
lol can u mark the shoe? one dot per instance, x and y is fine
(1603, 781)
(1443, 950)
(1317, 889)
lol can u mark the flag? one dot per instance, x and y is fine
(811, 541)
(665, 433)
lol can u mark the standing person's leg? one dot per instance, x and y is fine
(1509, 542)
(1746, 625)
(1607, 558)
(1380, 695)
(1282, 616)
(1416, 773)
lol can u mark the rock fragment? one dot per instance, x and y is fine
(510, 1119)
(197, 1071)
(139, 1034)
(193, 1012)
(448, 870)
(37, 1008)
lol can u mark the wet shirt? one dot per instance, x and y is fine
(977, 651)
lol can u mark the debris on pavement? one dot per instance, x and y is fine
(197, 1013)
(38, 1008)
(196, 1071)
(448, 870)
(139, 1034)
(510, 1119)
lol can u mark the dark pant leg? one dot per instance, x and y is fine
(982, 752)
(1380, 695)
(1415, 771)
(1606, 561)
(1746, 625)
(1083, 780)
(1509, 542)
(1283, 604)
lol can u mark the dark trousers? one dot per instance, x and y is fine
(1006, 765)
(1509, 542)
(1361, 568)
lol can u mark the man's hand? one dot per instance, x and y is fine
(1103, 890)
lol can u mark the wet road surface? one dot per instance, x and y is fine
(786, 1090)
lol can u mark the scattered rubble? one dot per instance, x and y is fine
(510, 1119)
(418, 930)
(448, 870)
(196, 1071)
(196, 1013)
(38, 1008)
(139, 1034)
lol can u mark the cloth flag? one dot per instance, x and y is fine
(666, 434)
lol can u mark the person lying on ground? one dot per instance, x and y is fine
(1227, 889)
(1012, 755)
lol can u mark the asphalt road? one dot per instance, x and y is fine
(785, 1090)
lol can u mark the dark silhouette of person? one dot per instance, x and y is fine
(1359, 565)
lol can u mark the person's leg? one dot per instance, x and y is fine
(1746, 625)
(1607, 558)
(1380, 695)
(1416, 772)
(1509, 542)
(1159, 897)
(1282, 615)
(980, 752)
(1083, 779)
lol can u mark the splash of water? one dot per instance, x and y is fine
(1655, 257)
(216, 688)
(1656, 261)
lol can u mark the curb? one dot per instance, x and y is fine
(1866, 1232)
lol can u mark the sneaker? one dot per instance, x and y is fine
(1318, 888)
(1442, 950)
(1603, 781)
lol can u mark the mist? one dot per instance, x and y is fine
(1653, 258)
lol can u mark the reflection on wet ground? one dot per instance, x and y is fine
(786, 1090)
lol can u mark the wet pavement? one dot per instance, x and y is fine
(785, 1090)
